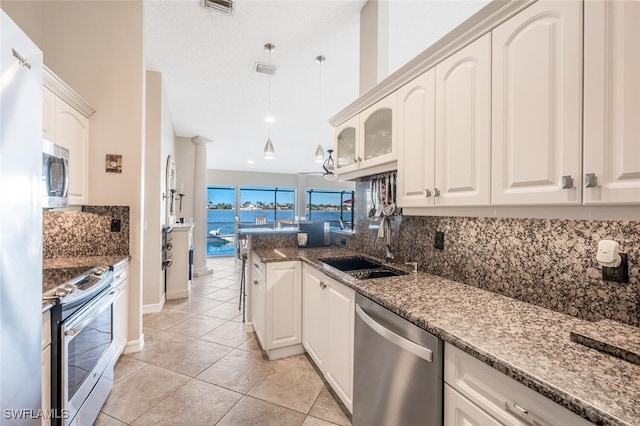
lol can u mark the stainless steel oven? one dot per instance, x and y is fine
(87, 350)
(82, 346)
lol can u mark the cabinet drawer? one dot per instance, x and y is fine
(257, 265)
(501, 396)
(121, 273)
(459, 411)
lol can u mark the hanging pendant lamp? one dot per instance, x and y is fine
(269, 151)
(319, 157)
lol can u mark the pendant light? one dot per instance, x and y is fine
(319, 156)
(329, 167)
(269, 152)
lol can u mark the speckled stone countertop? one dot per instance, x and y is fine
(59, 270)
(527, 343)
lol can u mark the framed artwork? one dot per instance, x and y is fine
(113, 163)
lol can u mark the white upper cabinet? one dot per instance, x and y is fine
(444, 132)
(72, 132)
(377, 127)
(463, 127)
(416, 141)
(48, 114)
(612, 102)
(366, 143)
(537, 104)
(347, 149)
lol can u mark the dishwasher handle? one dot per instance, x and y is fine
(399, 341)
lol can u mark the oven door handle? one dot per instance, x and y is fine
(78, 324)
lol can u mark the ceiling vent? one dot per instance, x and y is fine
(224, 6)
(265, 68)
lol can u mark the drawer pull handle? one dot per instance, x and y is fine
(255, 282)
(590, 180)
(567, 182)
(523, 414)
(255, 265)
(436, 192)
(427, 193)
(323, 285)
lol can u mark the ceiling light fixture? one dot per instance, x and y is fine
(269, 152)
(329, 167)
(319, 156)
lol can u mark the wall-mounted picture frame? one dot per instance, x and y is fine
(113, 163)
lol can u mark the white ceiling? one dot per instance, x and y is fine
(207, 63)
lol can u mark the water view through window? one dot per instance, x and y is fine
(230, 207)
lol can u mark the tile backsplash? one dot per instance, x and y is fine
(85, 233)
(546, 262)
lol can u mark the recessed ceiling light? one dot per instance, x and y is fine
(269, 119)
(250, 161)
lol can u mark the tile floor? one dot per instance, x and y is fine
(200, 367)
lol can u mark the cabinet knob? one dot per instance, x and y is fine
(359, 159)
(255, 282)
(323, 285)
(436, 192)
(255, 265)
(427, 193)
(169, 246)
(567, 182)
(590, 180)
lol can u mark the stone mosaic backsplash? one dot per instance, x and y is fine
(545, 262)
(85, 233)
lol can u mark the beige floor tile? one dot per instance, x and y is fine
(225, 294)
(251, 411)
(314, 421)
(300, 359)
(137, 393)
(230, 334)
(327, 408)
(201, 290)
(225, 310)
(104, 420)
(126, 366)
(197, 326)
(181, 354)
(191, 305)
(165, 319)
(196, 403)
(290, 384)
(251, 345)
(239, 370)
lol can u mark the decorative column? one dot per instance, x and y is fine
(200, 206)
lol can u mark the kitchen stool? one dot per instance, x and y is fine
(241, 251)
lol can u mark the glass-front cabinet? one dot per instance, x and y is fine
(368, 140)
(347, 150)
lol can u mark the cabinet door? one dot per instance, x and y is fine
(121, 317)
(258, 305)
(537, 104)
(347, 155)
(341, 311)
(416, 141)
(48, 114)
(463, 126)
(283, 304)
(314, 316)
(72, 132)
(459, 411)
(377, 132)
(46, 384)
(612, 101)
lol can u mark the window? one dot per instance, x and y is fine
(334, 206)
(221, 214)
(274, 203)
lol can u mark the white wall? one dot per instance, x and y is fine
(97, 48)
(160, 142)
(185, 153)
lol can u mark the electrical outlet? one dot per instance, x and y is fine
(439, 243)
(115, 225)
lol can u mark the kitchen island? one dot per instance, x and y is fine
(529, 344)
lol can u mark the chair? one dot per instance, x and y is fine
(260, 219)
(241, 252)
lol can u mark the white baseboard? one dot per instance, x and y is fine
(134, 345)
(155, 307)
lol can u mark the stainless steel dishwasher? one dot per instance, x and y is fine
(398, 370)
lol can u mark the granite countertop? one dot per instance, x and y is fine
(58, 270)
(527, 343)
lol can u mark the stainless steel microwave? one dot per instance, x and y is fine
(55, 175)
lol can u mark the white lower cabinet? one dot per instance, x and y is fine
(277, 306)
(476, 394)
(121, 309)
(327, 329)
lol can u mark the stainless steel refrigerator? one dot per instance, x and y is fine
(20, 226)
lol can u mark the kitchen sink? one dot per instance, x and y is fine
(363, 269)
